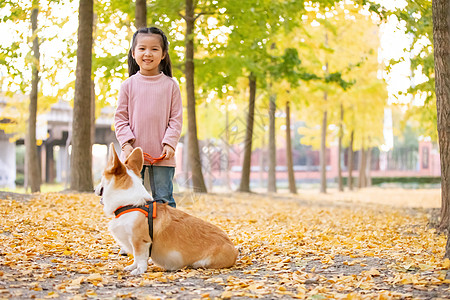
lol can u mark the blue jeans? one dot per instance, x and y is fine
(160, 182)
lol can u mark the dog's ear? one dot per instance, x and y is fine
(135, 160)
(114, 166)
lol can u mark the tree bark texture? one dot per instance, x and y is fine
(141, 14)
(272, 180)
(94, 30)
(341, 134)
(441, 37)
(323, 153)
(81, 157)
(245, 175)
(32, 157)
(92, 112)
(289, 160)
(350, 162)
(198, 182)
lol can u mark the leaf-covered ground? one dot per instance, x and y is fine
(58, 246)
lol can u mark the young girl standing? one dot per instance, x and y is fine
(149, 111)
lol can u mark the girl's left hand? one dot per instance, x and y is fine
(168, 151)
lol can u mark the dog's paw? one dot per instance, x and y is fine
(138, 271)
(130, 267)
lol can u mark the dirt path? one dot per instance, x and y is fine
(307, 246)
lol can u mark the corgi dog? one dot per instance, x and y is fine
(179, 239)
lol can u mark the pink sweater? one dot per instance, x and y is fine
(149, 113)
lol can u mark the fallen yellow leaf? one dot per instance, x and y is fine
(446, 264)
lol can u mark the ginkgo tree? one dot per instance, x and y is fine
(288, 74)
(441, 35)
(238, 61)
(247, 48)
(30, 70)
(327, 43)
(82, 124)
(424, 22)
(185, 22)
(57, 59)
(249, 44)
(365, 101)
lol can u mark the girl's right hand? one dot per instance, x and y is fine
(127, 149)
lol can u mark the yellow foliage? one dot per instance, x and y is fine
(344, 40)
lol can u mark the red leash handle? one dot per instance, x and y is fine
(152, 160)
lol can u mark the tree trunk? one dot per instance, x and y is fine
(262, 163)
(227, 148)
(198, 182)
(94, 29)
(186, 166)
(290, 164)
(245, 175)
(447, 247)
(350, 162)
(362, 168)
(323, 153)
(81, 158)
(323, 138)
(441, 36)
(272, 180)
(92, 112)
(33, 174)
(141, 14)
(209, 177)
(341, 134)
(368, 167)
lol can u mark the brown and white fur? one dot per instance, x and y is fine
(179, 239)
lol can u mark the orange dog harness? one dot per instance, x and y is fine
(143, 209)
(148, 209)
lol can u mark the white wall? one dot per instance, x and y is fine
(7, 164)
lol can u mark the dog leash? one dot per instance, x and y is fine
(151, 216)
(152, 160)
(152, 206)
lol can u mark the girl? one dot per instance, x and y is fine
(149, 110)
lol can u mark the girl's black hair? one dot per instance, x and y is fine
(165, 66)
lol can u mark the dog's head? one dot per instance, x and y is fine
(121, 182)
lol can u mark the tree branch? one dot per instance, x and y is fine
(203, 13)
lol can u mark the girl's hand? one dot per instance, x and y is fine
(127, 149)
(168, 151)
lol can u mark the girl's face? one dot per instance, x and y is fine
(148, 53)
